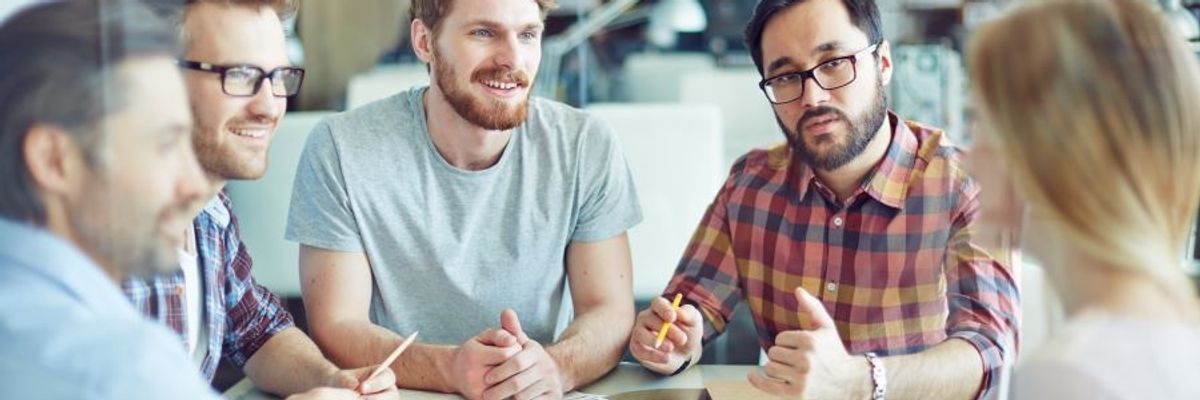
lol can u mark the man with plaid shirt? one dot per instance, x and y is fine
(854, 244)
(238, 77)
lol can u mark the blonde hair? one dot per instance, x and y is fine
(1089, 102)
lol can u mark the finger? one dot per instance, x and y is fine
(662, 309)
(386, 379)
(516, 364)
(812, 312)
(785, 373)
(800, 340)
(389, 394)
(491, 355)
(497, 338)
(513, 385)
(646, 335)
(689, 316)
(510, 323)
(642, 347)
(649, 354)
(537, 389)
(769, 385)
(785, 356)
(649, 320)
(676, 335)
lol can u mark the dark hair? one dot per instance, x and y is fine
(864, 14)
(57, 62)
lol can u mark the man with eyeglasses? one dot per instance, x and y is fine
(236, 70)
(854, 244)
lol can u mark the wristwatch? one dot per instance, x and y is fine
(878, 376)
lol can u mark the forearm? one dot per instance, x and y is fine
(950, 370)
(355, 344)
(593, 344)
(288, 363)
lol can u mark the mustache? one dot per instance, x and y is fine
(520, 77)
(253, 120)
(819, 112)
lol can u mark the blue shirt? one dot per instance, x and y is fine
(67, 332)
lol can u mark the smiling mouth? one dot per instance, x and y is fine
(253, 133)
(500, 85)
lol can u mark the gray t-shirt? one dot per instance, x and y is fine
(449, 249)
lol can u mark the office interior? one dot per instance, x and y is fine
(664, 74)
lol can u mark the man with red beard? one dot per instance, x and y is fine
(238, 77)
(855, 244)
(463, 210)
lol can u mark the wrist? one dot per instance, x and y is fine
(565, 378)
(443, 360)
(330, 376)
(876, 377)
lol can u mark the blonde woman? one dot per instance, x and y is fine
(1090, 114)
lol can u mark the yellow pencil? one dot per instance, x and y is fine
(662, 332)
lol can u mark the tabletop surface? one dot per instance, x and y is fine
(628, 380)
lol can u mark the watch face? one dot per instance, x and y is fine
(663, 394)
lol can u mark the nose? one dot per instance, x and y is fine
(264, 103)
(814, 95)
(508, 53)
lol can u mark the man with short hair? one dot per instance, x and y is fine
(238, 77)
(99, 182)
(464, 205)
(855, 244)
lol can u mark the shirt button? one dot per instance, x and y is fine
(831, 287)
(837, 221)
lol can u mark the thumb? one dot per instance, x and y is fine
(813, 315)
(510, 323)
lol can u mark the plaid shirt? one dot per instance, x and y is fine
(239, 315)
(894, 264)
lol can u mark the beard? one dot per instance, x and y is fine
(487, 113)
(225, 158)
(125, 236)
(862, 128)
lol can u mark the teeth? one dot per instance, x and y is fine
(500, 85)
(250, 133)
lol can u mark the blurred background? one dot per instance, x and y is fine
(666, 74)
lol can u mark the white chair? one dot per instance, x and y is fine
(262, 205)
(384, 81)
(674, 152)
(749, 120)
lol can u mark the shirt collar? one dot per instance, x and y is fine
(887, 183)
(45, 254)
(218, 209)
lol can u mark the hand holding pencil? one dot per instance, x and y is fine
(666, 334)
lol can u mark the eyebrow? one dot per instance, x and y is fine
(823, 48)
(497, 26)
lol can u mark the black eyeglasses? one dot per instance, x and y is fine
(243, 80)
(829, 75)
